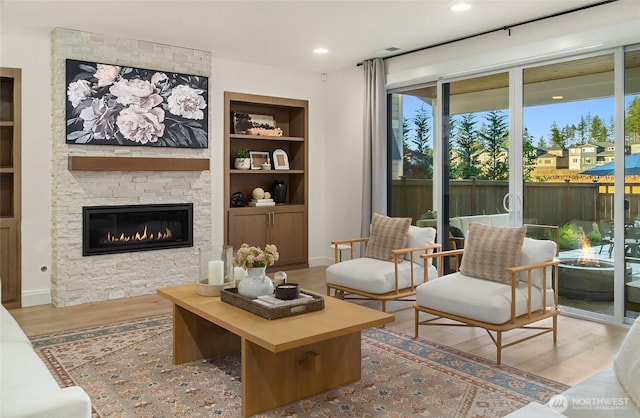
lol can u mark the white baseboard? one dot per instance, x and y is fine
(320, 261)
(36, 297)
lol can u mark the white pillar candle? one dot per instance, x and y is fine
(216, 272)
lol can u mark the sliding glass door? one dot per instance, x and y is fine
(551, 145)
(568, 110)
(476, 135)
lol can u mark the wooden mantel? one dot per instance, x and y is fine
(78, 162)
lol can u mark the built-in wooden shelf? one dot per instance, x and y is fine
(78, 162)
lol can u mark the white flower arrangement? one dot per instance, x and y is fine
(249, 256)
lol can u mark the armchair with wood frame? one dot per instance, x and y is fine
(505, 283)
(392, 275)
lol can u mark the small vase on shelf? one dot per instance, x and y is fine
(279, 191)
(256, 283)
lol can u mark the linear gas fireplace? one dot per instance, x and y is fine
(128, 228)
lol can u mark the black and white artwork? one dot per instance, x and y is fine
(117, 105)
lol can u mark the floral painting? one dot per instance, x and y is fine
(117, 105)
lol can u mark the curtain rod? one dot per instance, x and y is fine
(503, 28)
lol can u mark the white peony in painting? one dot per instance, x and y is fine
(117, 105)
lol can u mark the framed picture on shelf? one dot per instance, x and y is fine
(280, 160)
(258, 158)
(244, 123)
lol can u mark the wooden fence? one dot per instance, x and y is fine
(544, 203)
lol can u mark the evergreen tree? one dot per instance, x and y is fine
(587, 124)
(568, 134)
(632, 121)
(542, 143)
(581, 130)
(557, 140)
(422, 130)
(529, 154)
(424, 155)
(598, 130)
(467, 148)
(454, 161)
(493, 138)
(405, 133)
(406, 150)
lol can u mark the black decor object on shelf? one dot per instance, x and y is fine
(279, 191)
(237, 200)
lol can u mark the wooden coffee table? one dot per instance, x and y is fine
(284, 359)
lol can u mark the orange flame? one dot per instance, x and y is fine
(587, 256)
(140, 236)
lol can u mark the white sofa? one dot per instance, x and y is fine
(613, 392)
(27, 389)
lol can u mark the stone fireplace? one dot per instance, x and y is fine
(78, 278)
(128, 228)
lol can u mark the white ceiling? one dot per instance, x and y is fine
(282, 33)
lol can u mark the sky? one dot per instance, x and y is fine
(539, 119)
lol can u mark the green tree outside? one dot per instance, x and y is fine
(467, 148)
(632, 122)
(493, 138)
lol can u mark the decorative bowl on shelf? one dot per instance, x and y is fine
(206, 289)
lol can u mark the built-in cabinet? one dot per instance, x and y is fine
(285, 224)
(10, 175)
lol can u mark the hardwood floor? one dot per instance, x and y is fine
(583, 347)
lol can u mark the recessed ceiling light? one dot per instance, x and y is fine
(557, 97)
(320, 51)
(460, 7)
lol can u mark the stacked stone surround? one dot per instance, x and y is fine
(76, 279)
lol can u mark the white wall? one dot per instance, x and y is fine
(343, 161)
(31, 51)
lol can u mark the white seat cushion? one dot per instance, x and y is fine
(375, 276)
(479, 299)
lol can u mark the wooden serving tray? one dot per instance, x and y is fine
(290, 308)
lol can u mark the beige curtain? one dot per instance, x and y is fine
(374, 178)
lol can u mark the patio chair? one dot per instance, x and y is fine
(504, 283)
(606, 234)
(391, 268)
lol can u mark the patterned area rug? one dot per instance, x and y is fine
(128, 371)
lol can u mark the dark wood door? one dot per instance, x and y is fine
(10, 174)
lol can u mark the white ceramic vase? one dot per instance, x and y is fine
(256, 283)
(242, 163)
